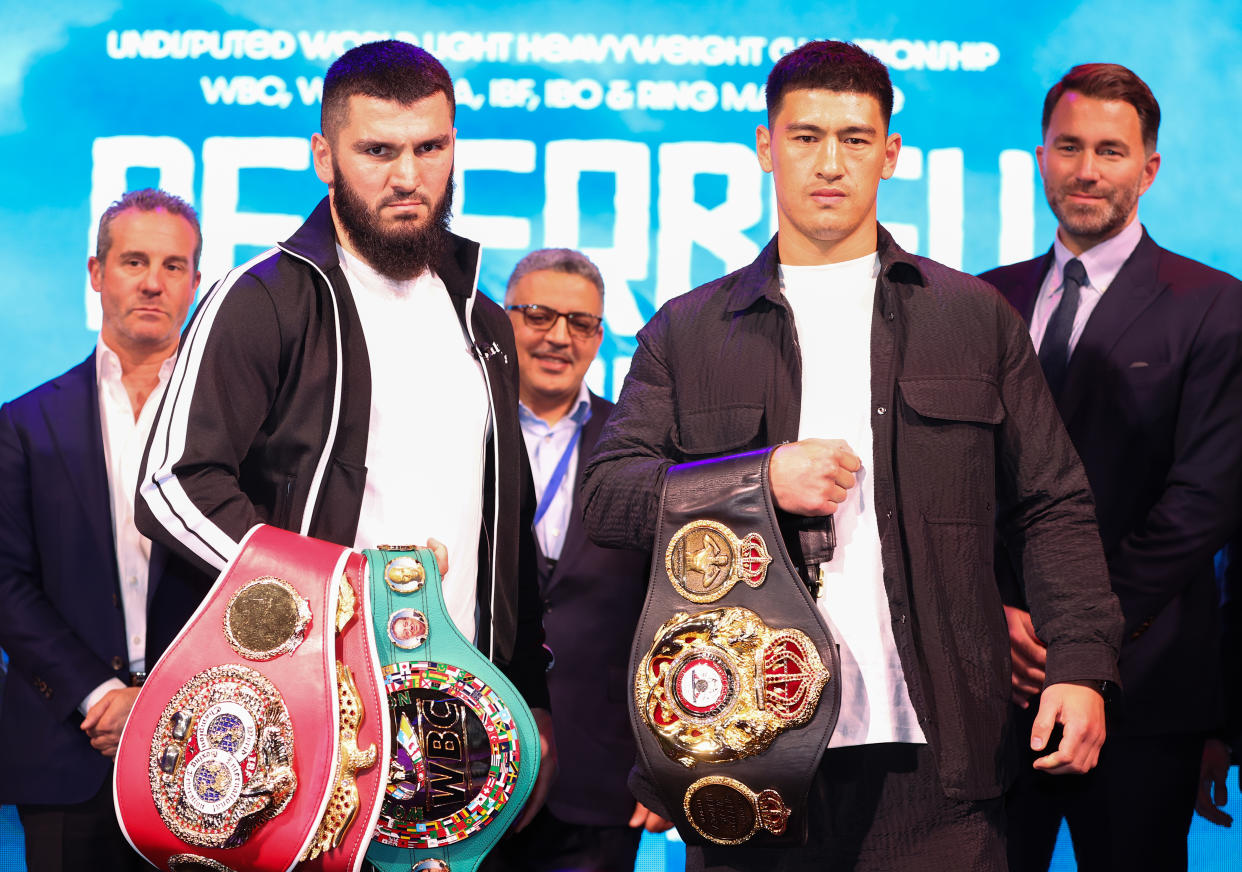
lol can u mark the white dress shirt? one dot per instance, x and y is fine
(124, 440)
(545, 444)
(833, 306)
(1102, 263)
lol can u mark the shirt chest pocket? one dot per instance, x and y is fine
(947, 440)
(720, 430)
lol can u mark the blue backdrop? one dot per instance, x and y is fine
(624, 129)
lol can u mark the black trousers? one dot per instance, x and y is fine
(1132, 811)
(70, 838)
(878, 808)
(549, 844)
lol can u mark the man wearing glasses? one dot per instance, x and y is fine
(592, 595)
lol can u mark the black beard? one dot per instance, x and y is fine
(401, 252)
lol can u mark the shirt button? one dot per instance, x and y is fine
(137, 640)
(881, 410)
(133, 579)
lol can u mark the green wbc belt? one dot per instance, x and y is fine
(465, 749)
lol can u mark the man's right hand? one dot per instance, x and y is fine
(648, 820)
(813, 476)
(1029, 656)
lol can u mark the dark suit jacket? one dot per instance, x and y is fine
(1153, 403)
(61, 619)
(592, 599)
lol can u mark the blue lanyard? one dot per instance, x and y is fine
(558, 475)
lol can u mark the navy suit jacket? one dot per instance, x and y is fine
(591, 600)
(61, 619)
(1153, 403)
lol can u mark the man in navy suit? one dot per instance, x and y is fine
(591, 595)
(1143, 351)
(87, 604)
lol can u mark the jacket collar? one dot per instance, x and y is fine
(315, 241)
(762, 277)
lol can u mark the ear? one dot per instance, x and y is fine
(892, 148)
(94, 266)
(763, 147)
(1149, 172)
(1039, 159)
(198, 277)
(321, 152)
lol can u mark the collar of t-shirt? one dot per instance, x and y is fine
(831, 287)
(1102, 263)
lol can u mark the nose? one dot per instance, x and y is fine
(153, 280)
(1088, 167)
(830, 159)
(404, 174)
(558, 333)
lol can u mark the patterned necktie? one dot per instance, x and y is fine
(1054, 350)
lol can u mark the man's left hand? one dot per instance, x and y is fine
(547, 768)
(106, 719)
(1079, 708)
(441, 552)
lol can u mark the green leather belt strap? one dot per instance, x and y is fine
(465, 748)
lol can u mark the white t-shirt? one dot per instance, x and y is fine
(833, 307)
(428, 427)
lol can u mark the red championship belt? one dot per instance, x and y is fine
(261, 736)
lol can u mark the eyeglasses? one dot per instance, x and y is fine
(582, 325)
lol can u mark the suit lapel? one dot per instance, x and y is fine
(72, 416)
(1131, 292)
(575, 535)
(1025, 291)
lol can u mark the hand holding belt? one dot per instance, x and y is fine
(258, 739)
(734, 671)
(465, 748)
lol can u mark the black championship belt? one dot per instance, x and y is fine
(734, 672)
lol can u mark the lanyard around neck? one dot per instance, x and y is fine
(558, 475)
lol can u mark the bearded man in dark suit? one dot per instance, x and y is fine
(1143, 351)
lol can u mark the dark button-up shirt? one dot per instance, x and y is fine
(967, 440)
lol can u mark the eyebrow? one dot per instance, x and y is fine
(1078, 140)
(808, 127)
(367, 144)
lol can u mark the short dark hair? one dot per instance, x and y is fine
(562, 260)
(146, 200)
(388, 70)
(830, 66)
(1109, 82)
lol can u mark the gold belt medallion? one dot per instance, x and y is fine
(267, 617)
(705, 559)
(721, 685)
(728, 812)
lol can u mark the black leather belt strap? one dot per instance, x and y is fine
(734, 672)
